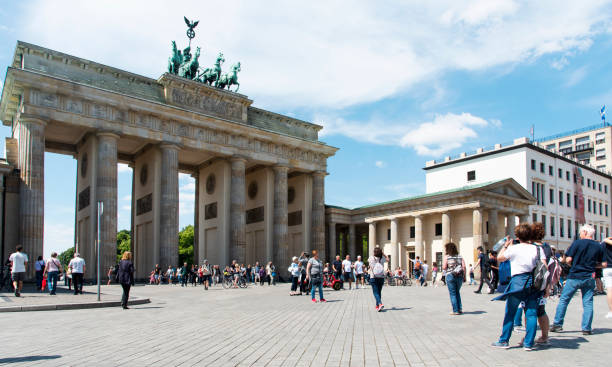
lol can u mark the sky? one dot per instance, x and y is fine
(394, 84)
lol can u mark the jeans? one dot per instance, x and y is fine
(377, 284)
(586, 286)
(126, 294)
(531, 320)
(52, 281)
(454, 284)
(518, 319)
(316, 283)
(303, 282)
(484, 278)
(294, 283)
(77, 280)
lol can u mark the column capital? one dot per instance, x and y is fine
(280, 168)
(109, 134)
(319, 173)
(168, 145)
(238, 158)
(32, 119)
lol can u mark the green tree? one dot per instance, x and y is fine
(186, 240)
(124, 242)
(66, 256)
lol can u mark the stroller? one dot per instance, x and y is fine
(330, 281)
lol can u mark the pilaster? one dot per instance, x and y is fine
(106, 192)
(237, 207)
(169, 202)
(318, 211)
(281, 244)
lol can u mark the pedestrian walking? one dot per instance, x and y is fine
(183, 275)
(314, 274)
(19, 262)
(337, 268)
(303, 261)
(377, 275)
(77, 268)
(347, 271)
(39, 267)
(359, 278)
(125, 277)
(584, 256)
(607, 273)
(206, 274)
(455, 276)
(484, 271)
(109, 274)
(523, 258)
(53, 268)
(472, 282)
(425, 268)
(434, 274)
(294, 270)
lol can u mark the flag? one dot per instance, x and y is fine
(531, 130)
(603, 113)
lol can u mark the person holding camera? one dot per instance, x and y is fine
(454, 265)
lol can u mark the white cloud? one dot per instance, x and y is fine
(441, 135)
(126, 208)
(58, 237)
(576, 76)
(323, 53)
(380, 164)
(122, 167)
(127, 198)
(188, 187)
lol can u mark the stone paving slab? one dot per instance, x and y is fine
(263, 326)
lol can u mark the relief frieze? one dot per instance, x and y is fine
(207, 104)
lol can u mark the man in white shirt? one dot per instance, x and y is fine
(425, 268)
(359, 273)
(19, 261)
(347, 270)
(77, 267)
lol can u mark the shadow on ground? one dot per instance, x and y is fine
(27, 359)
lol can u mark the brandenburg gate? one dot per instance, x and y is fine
(259, 175)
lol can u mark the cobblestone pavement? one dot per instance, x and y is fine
(263, 326)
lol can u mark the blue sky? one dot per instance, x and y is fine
(393, 84)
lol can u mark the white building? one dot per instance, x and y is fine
(568, 193)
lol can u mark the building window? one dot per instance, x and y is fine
(471, 175)
(388, 234)
(599, 186)
(567, 175)
(600, 209)
(576, 229)
(542, 167)
(607, 232)
(600, 138)
(560, 198)
(595, 233)
(589, 206)
(588, 182)
(569, 228)
(568, 200)
(606, 207)
(550, 170)
(605, 189)
(533, 164)
(561, 232)
(600, 154)
(552, 226)
(594, 186)
(534, 217)
(438, 229)
(560, 173)
(575, 179)
(544, 223)
(582, 181)
(575, 201)
(551, 194)
(411, 231)
(551, 146)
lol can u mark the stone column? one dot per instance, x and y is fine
(332, 240)
(523, 218)
(493, 219)
(106, 192)
(446, 229)
(168, 239)
(280, 239)
(32, 188)
(318, 212)
(477, 227)
(371, 239)
(198, 257)
(237, 214)
(352, 245)
(510, 225)
(394, 251)
(418, 236)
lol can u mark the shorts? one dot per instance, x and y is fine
(599, 273)
(541, 310)
(348, 276)
(607, 277)
(206, 278)
(358, 276)
(18, 277)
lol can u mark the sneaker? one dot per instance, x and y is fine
(519, 329)
(314, 300)
(528, 349)
(556, 328)
(587, 332)
(501, 345)
(376, 308)
(609, 315)
(380, 308)
(323, 300)
(477, 292)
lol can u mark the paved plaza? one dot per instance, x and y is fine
(263, 326)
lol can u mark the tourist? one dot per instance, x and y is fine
(53, 268)
(256, 277)
(236, 271)
(109, 274)
(376, 271)
(607, 273)
(248, 273)
(493, 270)
(158, 274)
(434, 274)
(216, 276)
(482, 262)
(77, 267)
(125, 277)
(359, 278)
(303, 261)
(19, 261)
(314, 274)
(294, 271)
(39, 266)
(206, 274)
(169, 275)
(183, 275)
(347, 271)
(584, 255)
(538, 232)
(472, 282)
(263, 276)
(416, 270)
(337, 268)
(454, 266)
(523, 258)
(425, 268)
(152, 277)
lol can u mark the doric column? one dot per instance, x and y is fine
(523, 218)
(446, 229)
(371, 239)
(281, 245)
(510, 225)
(32, 188)
(352, 242)
(418, 236)
(332, 240)
(493, 219)
(318, 211)
(168, 249)
(237, 214)
(477, 227)
(106, 192)
(197, 257)
(394, 251)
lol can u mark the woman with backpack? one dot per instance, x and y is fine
(377, 275)
(454, 266)
(524, 258)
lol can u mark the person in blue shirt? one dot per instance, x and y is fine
(584, 255)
